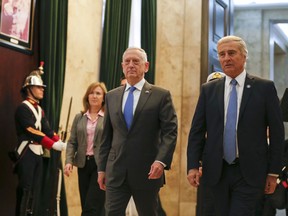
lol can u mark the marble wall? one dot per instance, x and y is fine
(82, 68)
(177, 69)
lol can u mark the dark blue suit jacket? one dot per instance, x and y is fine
(259, 109)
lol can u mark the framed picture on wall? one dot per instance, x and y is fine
(17, 24)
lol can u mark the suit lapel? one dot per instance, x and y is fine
(247, 89)
(220, 88)
(99, 123)
(84, 125)
(97, 128)
(118, 104)
(144, 95)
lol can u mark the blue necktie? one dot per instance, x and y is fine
(128, 108)
(230, 127)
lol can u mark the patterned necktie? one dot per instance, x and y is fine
(128, 109)
(230, 127)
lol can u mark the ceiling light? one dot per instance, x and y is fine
(283, 27)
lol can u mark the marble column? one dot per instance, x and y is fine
(178, 69)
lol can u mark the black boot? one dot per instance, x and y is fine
(25, 202)
(30, 205)
(18, 200)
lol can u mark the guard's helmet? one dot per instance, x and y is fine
(215, 75)
(34, 78)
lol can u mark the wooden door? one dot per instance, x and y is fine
(217, 21)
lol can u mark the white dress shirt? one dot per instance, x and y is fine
(136, 94)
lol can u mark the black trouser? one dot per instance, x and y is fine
(117, 198)
(160, 210)
(92, 197)
(29, 170)
(233, 196)
(205, 201)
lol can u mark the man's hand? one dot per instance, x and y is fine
(101, 180)
(156, 170)
(271, 183)
(193, 177)
(68, 169)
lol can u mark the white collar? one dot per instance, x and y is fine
(240, 78)
(138, 85)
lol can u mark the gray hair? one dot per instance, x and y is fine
(143, 53)
(240, 41)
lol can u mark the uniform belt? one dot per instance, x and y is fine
(89, 157)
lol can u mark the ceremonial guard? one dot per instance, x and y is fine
(33, 133)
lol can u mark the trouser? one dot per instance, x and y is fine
(29, 170)
(117, 198)
(24, 202)
(233, 196)
(91, 196)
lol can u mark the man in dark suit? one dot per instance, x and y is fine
(238, 176)
(133, 156)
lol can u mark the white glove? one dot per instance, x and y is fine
(59, 145)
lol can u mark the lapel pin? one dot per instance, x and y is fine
(248, 86)
(146, 92)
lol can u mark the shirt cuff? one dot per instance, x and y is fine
(273, 175)
(163, 164)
